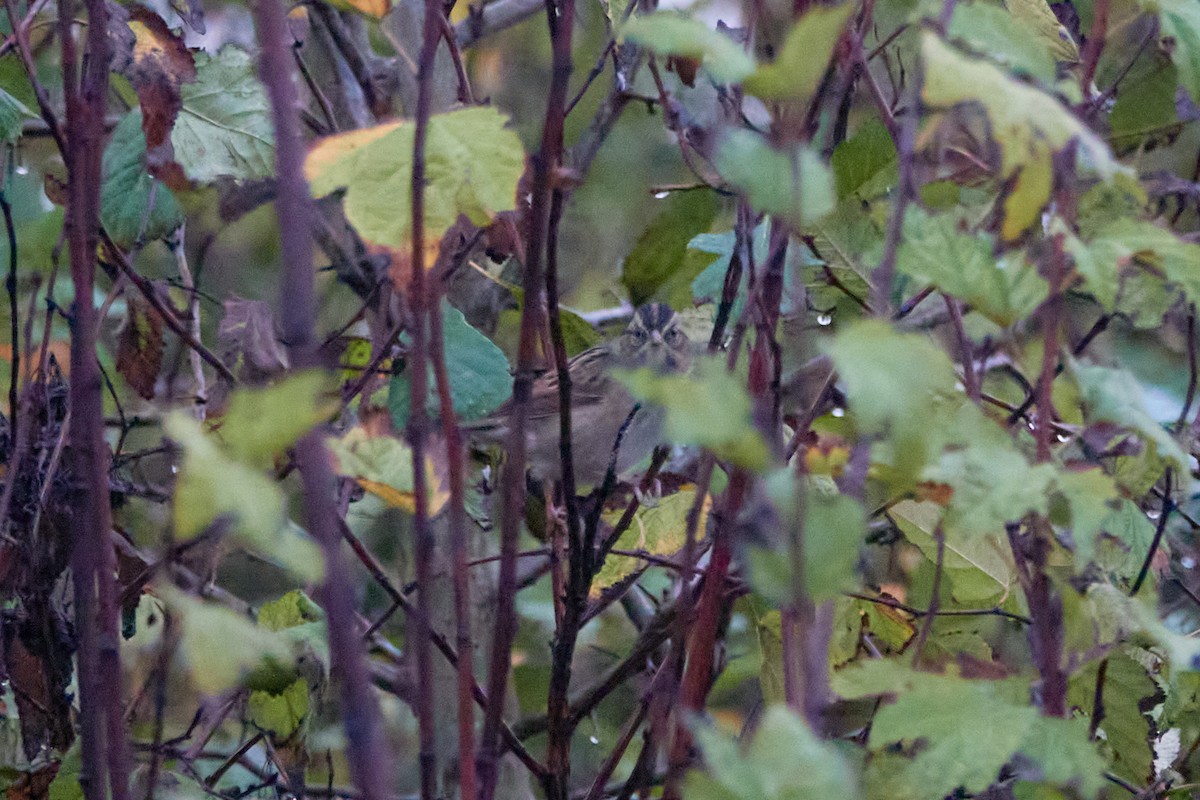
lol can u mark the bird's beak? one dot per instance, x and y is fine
(656, 337)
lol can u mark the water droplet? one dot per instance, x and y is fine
(1062, 437)
(1153, 513)
(1187, 562)
(174, 469)
(838, 412)
(959, 386)
(824, 318)
(21, 169)
(593, 740)
(661, 195)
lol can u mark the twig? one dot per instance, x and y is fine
(189, 284)
(164, 310)
(935, 597)
(956, 612)
(418, 421)
(1160, 528)
(493, 17)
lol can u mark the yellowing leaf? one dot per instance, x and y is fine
(221, 648)
(1040, 23)
(473, 163)
(1027, 124)
(676, 35)
(804, 57)
(660, 530)
(371, 8)
(214, 485)
(383, 466)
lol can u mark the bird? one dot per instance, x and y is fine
(600, 404)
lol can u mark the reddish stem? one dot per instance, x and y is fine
(365, 751)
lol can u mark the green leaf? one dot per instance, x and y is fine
(127, 189)
(673, 34)
(1127, 730)
(222, 648)
(1113, 395)
(1063, 754)
(12, 113)
(894, 383)
(662, 249)
(660, 530)
(993, 31)
(65, 785)
(834, 527)
(1129, 534)
(476, 368)
(224, 127)
(279, 714)
(980, 569)
(1028, 125)
(261, 423)
(940, 250)
(785, 761)
(971, 728)
(709, 408)
(993, 483)
(212, 485)
(1144, 112)
(1127, 241)
(1180, 21)
(794, 186)
(292, 610)
(804, 56)
(769, 628)
(709, 285)
(1090, 496)
(383, 465)
(864, 155)
(374, 166)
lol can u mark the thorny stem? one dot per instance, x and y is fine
(365, 750)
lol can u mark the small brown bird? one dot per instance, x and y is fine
(600, 405)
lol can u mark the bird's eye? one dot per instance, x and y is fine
(638, 335)
(674, 335)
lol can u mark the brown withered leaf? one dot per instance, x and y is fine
(140, 346)
(157, 65)
(685, 67)
(33, 785)
(248, 340)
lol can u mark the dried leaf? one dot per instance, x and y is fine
(140, 347)
(158, 64)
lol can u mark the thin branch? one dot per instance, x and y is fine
(418, 421)
(956, 612)
(935, 597)
(365, 748)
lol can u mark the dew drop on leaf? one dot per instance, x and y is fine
(824, 318)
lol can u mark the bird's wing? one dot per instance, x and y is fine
(589, 382)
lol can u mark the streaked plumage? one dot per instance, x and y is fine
(599, 404)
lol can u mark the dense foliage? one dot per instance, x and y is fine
(923, 524)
